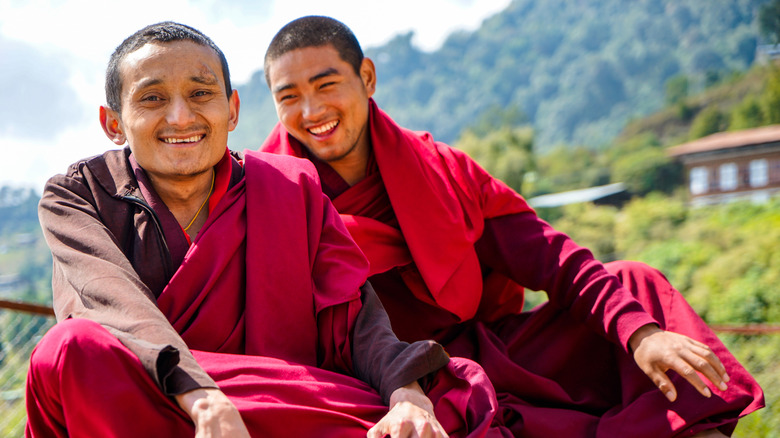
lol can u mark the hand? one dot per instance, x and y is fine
(213, 413)
(411, 416)
(657, 351)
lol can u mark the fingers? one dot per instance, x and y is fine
(406, 430)
(407, 421)
(374, 432)
(703, 360)
(688, 372)
(665, 351)
(664, 384)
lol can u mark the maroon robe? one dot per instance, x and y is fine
(451, 249)
(267, 299)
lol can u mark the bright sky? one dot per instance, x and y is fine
(53, 55)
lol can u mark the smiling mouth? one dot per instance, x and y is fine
(324, 129)
(193, 139)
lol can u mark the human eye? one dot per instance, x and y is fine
(287, 97)
(202, 93)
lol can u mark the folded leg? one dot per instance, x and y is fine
(84, 382)
(556, 377)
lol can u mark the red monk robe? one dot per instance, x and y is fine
(451, 249)
(268, 298)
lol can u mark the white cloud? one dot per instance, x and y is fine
(80, 35)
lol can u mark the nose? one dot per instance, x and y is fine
(180, 112)
(313, 108)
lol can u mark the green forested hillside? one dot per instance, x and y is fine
(557, 95)
(723, 259)
(508, 149)
(578, 70)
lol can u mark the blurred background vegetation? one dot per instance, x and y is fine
(552, 96)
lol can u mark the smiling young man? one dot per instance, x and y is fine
(203, 292)
(451, 249)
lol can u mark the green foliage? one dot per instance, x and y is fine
(676, 89)
(23, 251)
(18, 209)
(568, 168)
(507, 153)
(761, 108)
(19, 334)
(258, 114)
(579, 70)
(648, 220)
(495, 118)
(644, 166)
(709, 121)
(769, 21)
(770, 102)
(723, 259)
(748, 114)
(591, 226)
(759, 355)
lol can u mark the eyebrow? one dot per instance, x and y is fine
(205, 80)
(200, 79)
(148, 83)
(327, 72)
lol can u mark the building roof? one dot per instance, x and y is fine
(575, 196)
(728, 140)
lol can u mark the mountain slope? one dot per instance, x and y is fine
(579, 69)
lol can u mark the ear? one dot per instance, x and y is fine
(235, 105)
(368, 75)
(112, 125)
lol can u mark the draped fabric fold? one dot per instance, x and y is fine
(267, 301)
(222, 297)
(450, 260)
(442, 248)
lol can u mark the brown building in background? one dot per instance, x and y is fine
(730, 166)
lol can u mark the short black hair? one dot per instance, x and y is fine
(164, 32)
(314, 31)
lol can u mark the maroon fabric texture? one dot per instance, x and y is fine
(85, 383)
(224, 300)
(448, 264)
(554, 377)
(266, 301)
(555, 370)
(442, 200)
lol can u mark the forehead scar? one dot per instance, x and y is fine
(206, 76)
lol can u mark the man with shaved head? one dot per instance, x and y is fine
(616, 352)
(209, 293)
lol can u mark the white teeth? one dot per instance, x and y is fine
(183, 140)
(324, 128)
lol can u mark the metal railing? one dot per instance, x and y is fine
(23, 324)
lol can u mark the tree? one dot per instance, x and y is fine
(771, 98)
(506, 152)
(709, 121)
(769, 21)
(676, 89)
(646, 171)
(568, 168)
(748, 114)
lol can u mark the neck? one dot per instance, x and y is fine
(352, 167)
(184, 197)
